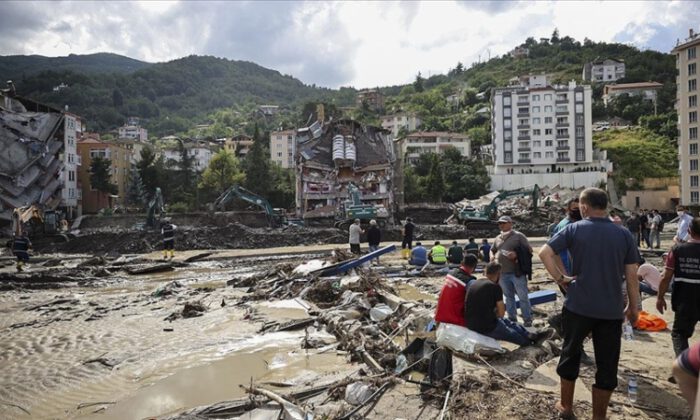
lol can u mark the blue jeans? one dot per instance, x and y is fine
(512, 284)
(373, 248)
(510, 331)
(655, 236)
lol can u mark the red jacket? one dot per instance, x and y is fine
(450, 306)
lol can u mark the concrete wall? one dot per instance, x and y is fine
(568, 180)
(662, 200)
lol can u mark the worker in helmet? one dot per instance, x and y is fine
(20, 248)
(167, 229)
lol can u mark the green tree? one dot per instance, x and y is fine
(99, 176)
(283, 189)
(479, 135)
(117, 98)
(435, 183)
(418, 83)
(257, 166)
(136, 194)
(413, 191)
(224, 171)
(150, 171)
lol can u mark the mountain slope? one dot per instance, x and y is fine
(15, 67)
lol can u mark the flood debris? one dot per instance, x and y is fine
(190, 310)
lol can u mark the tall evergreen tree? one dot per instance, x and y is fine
(257, 166)
(435, 184)
(100, 179)
(136, 194)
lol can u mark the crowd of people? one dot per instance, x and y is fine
(597, 298)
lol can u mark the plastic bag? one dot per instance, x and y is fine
(380, 312)
(464, 340)
(358, 392)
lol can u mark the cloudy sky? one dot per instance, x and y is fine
(332, 44)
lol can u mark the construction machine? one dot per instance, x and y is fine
(38, 223)
(354, 209)
(485, 217)
(156, 210)
(275, 217)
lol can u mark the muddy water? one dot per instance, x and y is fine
(44, 364)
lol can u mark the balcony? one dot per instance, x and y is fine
(563, 147)
(523, 126)
(560, 112)
(561, 101)
(523, 149)
(524, 161)
(525, 115)
(563, 136)
(566, 159)
(562, 124)
(524, 137)
(523, 103)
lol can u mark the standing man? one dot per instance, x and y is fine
(683, 264)
(594, 302)
(455, 254)
(573, 215)
(655, 229)
(485, 251)
(20, 248)
(485, 310)
(505, 248)
(354, 233)
(407, 242)
(167, 229)
(684, 220)
(374, 237)
(634, 226)
(644, 227)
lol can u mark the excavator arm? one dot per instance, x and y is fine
(237, 191)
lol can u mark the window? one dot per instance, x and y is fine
(562, 120)
(693, 164)
(579, 144)
(548, 108)
(523, 110)
(561, 97)
(693, 116)
(547, 120)
(579, 131)
(579, 96)
(548, 97)
(692, 85)
(524, 156)
(535, 98)
(536, 132)
(525, 144)
(71, 175)
(547, 131)
(508, 146)
(98, 153)
(508, 157)
(579, 155)
(523, 133)
(549, 154)
(523, 121)
(507, 135)
(279, 154)
(537, 155)
(694, 181)
(691, 53)
(537, 143)
(579, 108)
(536, 109)
(506, 100)
(563, 155)
(548, 143)
(562, 143)
(522, 99)
(506, 112)
(693, 148)
(693, 101)
(694, 196)
(536, 120)
(691, 69)
(562, 131)
(693, 133)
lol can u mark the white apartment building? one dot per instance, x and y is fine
(542, 134)
(135, 132)
(647, 90)
(416, 144)
(72, 127)
(687, 106)
(408, 121)
(283, 147)
(199, 151)
(608, 70)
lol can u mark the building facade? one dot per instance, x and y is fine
(647, 90)
(91, 200)
(199, 151)
(283, 147)
(608, 70)
(72, 129)
(687, 106)
(239, 145)
(543, 130)
(135, 132)
(416, 144)
(394, 123)
(372, 97)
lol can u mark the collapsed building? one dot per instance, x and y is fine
(31, 147)
(331, 157)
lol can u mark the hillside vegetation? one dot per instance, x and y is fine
(18, 67)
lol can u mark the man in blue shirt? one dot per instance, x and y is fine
(573, 215)
(594, 302)
(485, 250)
(684, 219)
(419, 255)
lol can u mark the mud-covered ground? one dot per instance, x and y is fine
(108, 344)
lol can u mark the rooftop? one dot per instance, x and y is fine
(693, 39)
(639, 85)
(436, 134)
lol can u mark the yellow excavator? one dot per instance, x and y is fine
(36, 222)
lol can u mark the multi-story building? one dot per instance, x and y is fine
(542, 134)
(239, 145)
(372, 97)
(198, 150)
(90, 148)
(687, 105)
(406, 121)
(416, 144)
(72, 128)
(132, 130)
(283, 147)
(519, 52)
(647, 90)
(607, 70)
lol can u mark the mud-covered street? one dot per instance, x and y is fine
(131, 336)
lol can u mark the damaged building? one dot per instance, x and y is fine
(331, 157)
(31, 155)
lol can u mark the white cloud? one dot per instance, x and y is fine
(362, 44)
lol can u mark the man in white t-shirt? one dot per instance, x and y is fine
(649, 278)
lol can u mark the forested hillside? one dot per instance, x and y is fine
(18, 67)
